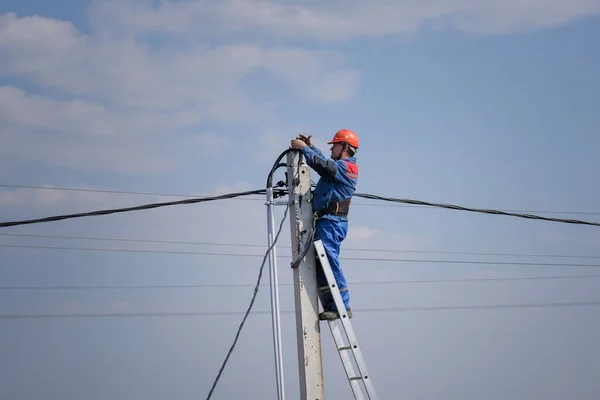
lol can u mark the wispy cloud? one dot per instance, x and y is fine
(360, 233)
(336, 20)
(118, 104)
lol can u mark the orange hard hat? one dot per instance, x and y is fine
(345, 136)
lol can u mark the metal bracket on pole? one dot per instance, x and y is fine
(277, 203)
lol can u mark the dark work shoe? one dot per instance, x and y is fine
(332, 315)
(329, 315)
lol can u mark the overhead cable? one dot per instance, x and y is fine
(237, 285)
(247, 255)
(230, 244)
(358, 310)
(262, 191)
(237, 335)
(72, 189)
(476, 210)
(136, 208)
(269, 186)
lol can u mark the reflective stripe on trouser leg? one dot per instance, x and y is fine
(331, 234)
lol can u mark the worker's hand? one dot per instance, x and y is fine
(297, 144)
(305, 139)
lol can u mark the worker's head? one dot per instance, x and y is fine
(344, 144)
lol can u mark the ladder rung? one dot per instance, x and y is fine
(342, 328)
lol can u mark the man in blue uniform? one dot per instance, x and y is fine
(331, 202)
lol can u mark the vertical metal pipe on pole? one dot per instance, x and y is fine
(308, 331)
(275, 313)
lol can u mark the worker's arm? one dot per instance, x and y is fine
(324, 166)
(317, 150)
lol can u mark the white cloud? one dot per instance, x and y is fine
(336, 20)
(199, 78)
(521, 16)
(275, 141)
(318, 75)
(113, 82)
(360, 233)
(197, 81)
(27, 196)
(272, 142)
(126, 154)
(117, 104)
(41, 114)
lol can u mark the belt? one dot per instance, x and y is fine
(340, 208)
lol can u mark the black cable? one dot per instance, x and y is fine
(291, 184)
(269, 181)
(309, 239)
(281, 165)
(136, 208)
(307, 245)
(248, 255)
(276, 165)
(477, 210)
(236, 285)
(262, 312)
(69, 189)
(214, 385)
(229, 244)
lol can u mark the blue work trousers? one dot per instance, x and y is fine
(331, 233)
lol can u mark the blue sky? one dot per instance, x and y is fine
(473, 103)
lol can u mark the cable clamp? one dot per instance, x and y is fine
(277, 203)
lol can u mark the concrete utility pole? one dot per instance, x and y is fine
(306, 296)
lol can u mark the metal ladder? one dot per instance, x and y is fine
(345, 339)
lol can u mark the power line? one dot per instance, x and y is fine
(476, 210)
(237, 335)
(281, 256)
(128, 209)
(250, 199)
(276, 165)
(250, 306)
(358, 310)
(108, 191)
(203, 253)
(484, 307)
(261, 191)
(235, 285)
(137, 240)
(110, 239)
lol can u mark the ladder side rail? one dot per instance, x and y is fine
(337, 297)
(349, 367)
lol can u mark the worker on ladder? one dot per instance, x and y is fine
(331, 203)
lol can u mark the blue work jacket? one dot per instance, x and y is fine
(338, 179)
